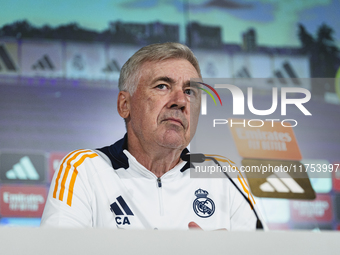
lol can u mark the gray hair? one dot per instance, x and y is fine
(130, 74)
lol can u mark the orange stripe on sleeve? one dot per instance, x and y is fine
(63, 182)
(74, 176)
(244, 181)
(59, 174)
(246, 191)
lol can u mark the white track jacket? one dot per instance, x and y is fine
(108, 188)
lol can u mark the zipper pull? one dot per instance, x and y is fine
(159, 182)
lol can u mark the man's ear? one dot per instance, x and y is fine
(123, 104)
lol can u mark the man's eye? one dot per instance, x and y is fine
(162, 86)
(190, 92)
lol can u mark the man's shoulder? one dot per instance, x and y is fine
(79, 155)
(85, 160)
(77, 158)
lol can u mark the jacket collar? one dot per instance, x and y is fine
(119, 159)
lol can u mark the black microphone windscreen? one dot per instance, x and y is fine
(193, 157)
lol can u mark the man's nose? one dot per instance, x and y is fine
(178, 99)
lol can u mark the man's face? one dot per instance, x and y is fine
(164, 109)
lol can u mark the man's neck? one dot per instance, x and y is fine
(158, 160)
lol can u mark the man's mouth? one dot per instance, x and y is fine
(175, 121)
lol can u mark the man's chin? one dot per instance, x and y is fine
(173, 140)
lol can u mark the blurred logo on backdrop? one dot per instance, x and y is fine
(320, 209)
(278, 179)
(8, 58)
(266, 140)
(22, 201)
(22, 168)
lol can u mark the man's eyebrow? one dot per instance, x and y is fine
(164, 78)
(172, 81)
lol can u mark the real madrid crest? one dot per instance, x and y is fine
(203, 206)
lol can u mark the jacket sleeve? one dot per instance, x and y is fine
(70, 197)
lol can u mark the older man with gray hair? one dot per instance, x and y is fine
(140, 182)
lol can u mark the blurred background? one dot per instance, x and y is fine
(60, 63)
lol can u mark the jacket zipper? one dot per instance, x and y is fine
(159, 183)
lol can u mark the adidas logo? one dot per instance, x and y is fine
(118, 207)
(112, 67)
(243, 73)
(24, 170)
(284, 75)
(282, 183)
(44, 64)
(6, 59)
(287, 72)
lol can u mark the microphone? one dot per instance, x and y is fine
(200, 158)
(197, 157)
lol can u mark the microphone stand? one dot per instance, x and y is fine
(258, 221)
